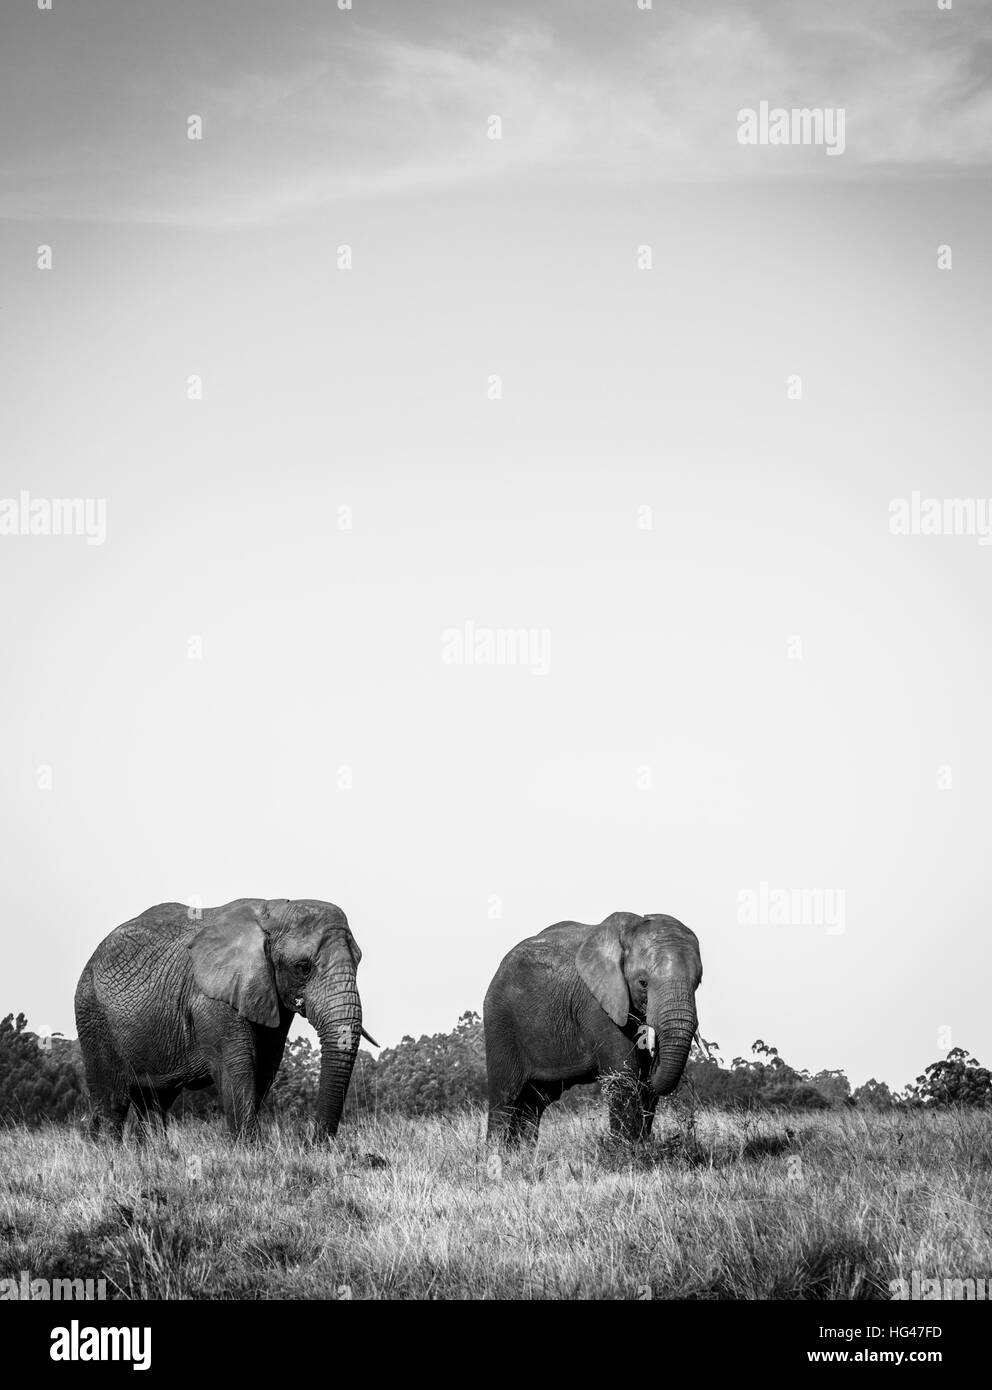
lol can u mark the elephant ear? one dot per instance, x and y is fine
(354, 948)
(229, 963)
(600, 963)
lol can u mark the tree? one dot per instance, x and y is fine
(763, 1081)
(833, 1086)
(293, 1094)
(427, 1075)
(957, 1080)
(874, 1095)
(40, 1078)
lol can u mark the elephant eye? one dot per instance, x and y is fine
(642, 981)
(304, 967)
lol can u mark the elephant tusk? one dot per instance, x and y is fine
(650, 1038)
(369, 1038)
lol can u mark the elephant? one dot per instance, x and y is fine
(577, 1003)
(179, 998)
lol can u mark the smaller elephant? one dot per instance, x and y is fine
(578, 1003)
(175, 999)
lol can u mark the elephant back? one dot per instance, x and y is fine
(137, 950)
(157, 925)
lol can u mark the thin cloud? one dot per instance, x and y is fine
(337, 116)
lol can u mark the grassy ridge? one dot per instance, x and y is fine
(805, 1206)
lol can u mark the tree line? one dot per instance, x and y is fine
(41, 1078)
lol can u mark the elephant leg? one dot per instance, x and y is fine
(505, 1084)
(530, 1108)
(267, 1065)
(237, 1081)
(150, 1104)
(110, 1111)
(156, 1102)
(240, 1103)
(536, 1099)
(510, 1121)
(519, 1121)
(501, 1128)
(166, 1100)
(106, 1075)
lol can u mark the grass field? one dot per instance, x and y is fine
(818, 1205)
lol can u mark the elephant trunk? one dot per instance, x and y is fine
(335, 1011)
(672, 1014)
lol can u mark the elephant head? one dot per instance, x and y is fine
(262, 957)
(647, 968)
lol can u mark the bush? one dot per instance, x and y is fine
(446, 1072)
(427, 1076)
(874, 1095)
(764, 1081)
(40, 1077)
(957, 1080)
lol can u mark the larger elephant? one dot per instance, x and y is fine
(578, 1003)
(177, 998)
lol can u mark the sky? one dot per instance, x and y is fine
(499, 530)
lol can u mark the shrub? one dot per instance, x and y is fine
(958, 1080)
(40, 1078)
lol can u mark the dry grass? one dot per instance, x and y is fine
(805, 1206)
